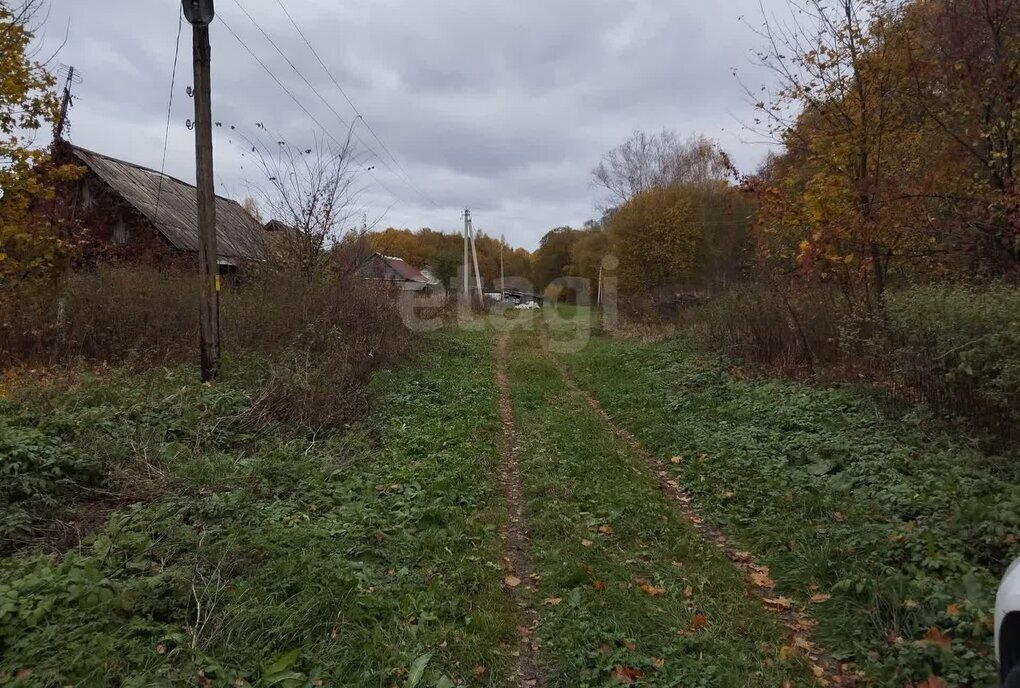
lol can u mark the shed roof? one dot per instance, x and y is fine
(175, 216)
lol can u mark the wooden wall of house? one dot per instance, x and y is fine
(114, 229)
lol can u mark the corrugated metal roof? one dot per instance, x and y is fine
(238, 234)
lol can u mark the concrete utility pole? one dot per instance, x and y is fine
(478, 274)
(200, 13)
(502, 276)
(467, 258)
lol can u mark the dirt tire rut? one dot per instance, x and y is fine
(520, 578)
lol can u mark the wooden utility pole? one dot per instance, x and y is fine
(65, 105)
(200, 13)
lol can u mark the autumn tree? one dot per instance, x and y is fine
(647, 161)
(660, 235)
(963, 75)
(553, 258)
(36, 240)
(836, 109)
(588, 252)
(443, 253)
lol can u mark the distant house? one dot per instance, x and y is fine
(141, 211)
(393, 270)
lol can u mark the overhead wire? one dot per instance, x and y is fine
(294, 98)
(350, 102)
(406, 177)
(169, 110)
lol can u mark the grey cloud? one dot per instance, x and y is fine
(502, 106)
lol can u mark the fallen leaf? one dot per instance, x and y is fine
(658, 662)
(678, 564)
(932, 682)
(630, 645)
(599, 585)
(688, 592)
(817, 671)
(779, 602)
(699, 622)
(586, 543)
(821, 597)
(953, 610)
(803, 644)
(937, 638)
(910, 604)
(605, 530)
(625, 674)
(512, 581)
(803, 624)
(677, 459)
(479, 671)
(761, 578)
(651, 590)
(552, 601)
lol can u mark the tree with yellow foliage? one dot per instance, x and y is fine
(34, 242)
(656, 236)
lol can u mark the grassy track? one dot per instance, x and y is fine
(904, 526)
(372, 555)
(628, 587)
(368, 557)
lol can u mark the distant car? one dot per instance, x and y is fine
(529, 306)
(1007, 627)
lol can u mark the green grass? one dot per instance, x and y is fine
(907, 527)
(578, 477)
(346, 556)
(370, 555)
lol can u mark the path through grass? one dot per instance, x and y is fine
(630, 591)
(889, 529)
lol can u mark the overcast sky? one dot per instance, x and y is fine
(501, 106)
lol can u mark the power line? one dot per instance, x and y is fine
(350, 102)
(318, 94)
(169, 110)
(292, 96)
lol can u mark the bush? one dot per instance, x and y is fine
(321, 337)
(956, 347)
(770, 328)
(115, 314)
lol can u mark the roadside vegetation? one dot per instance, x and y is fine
(889, 527)
(259, 555)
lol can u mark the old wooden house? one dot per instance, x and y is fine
(132, 210)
